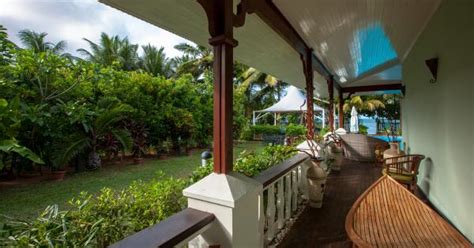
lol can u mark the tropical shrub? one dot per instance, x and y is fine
(98, 221)
(59, 102)
(249, 163)
(295, 130)
(363, 129)
(266, 129)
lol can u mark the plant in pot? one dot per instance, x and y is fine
(58, 171)
(93, 128)
(333, 152)
(167, 148)
(315, 174)
(139, 134)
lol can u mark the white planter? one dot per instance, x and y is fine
(316, 177)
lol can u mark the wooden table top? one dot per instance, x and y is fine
(388, 215)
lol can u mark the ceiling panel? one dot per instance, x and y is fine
(353, 37)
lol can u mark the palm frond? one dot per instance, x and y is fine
(124, 137)
(78, 143)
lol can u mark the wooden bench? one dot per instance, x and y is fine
(388, 215)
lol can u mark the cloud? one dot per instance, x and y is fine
(76, 19)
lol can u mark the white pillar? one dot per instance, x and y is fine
(324, 118)
(275, 119)
(233, 199)
(253, 119)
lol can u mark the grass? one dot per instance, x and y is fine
(29, 200)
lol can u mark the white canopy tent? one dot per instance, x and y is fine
(293, 102)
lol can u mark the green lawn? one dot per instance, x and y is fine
(27, 201)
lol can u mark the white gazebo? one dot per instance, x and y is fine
(293, 102)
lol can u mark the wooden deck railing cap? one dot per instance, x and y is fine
(274, 173)
(170, 231)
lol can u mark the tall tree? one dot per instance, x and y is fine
(361, 103)
(37, 42)
(6, 47)
(196, 60)
(112, 49)
(155, 62)
(260, 89)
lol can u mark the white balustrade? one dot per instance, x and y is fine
(282, 197)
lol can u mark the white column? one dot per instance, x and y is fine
(234, 200)
(253, 119)
(324, 118)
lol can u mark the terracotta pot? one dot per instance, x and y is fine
(58, 175)
(393, 151)
(137, 160)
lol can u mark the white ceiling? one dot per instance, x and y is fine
(352, 38)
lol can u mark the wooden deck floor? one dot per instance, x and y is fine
(324, 227)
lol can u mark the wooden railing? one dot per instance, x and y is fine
(282, 192)
(283, 188)
(175, 231)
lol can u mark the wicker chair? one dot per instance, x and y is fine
(359, 147)
(404, 169)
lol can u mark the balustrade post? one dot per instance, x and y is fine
(234, 199)
(288, 192)
(280, 204)
(294, 188)
(271, 212)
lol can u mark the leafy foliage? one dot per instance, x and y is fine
(98, 221)
(37, 43)
(101, 220)
(295, 130)
(266, 129)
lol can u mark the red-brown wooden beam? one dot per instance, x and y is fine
(220, 17)
(341, 109)
(308, 71)
(369, 88)
(331, 103)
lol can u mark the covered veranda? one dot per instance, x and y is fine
(324, 46)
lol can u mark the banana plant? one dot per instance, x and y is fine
(9, 124)
(10, 146)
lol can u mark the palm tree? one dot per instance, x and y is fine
(6, 46)
(110, 50)
(37, 42)
(155, 62)
(260, 89)
(361, 104)
(196, 60)
(95, 132)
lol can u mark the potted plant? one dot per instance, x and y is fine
(166, 147)
(93, 129)
(58, 172)
(316, 175)
(139, 133)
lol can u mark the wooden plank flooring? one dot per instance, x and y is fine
(324, 227)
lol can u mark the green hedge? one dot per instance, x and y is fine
(98, 221)
(295, 130)
(266, 129)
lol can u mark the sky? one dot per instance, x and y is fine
(73, 20)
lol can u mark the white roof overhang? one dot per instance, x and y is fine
(361, 42)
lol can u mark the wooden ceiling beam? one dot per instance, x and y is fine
(272, 16)
(369, 88)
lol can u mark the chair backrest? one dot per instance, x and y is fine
(404, 164)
